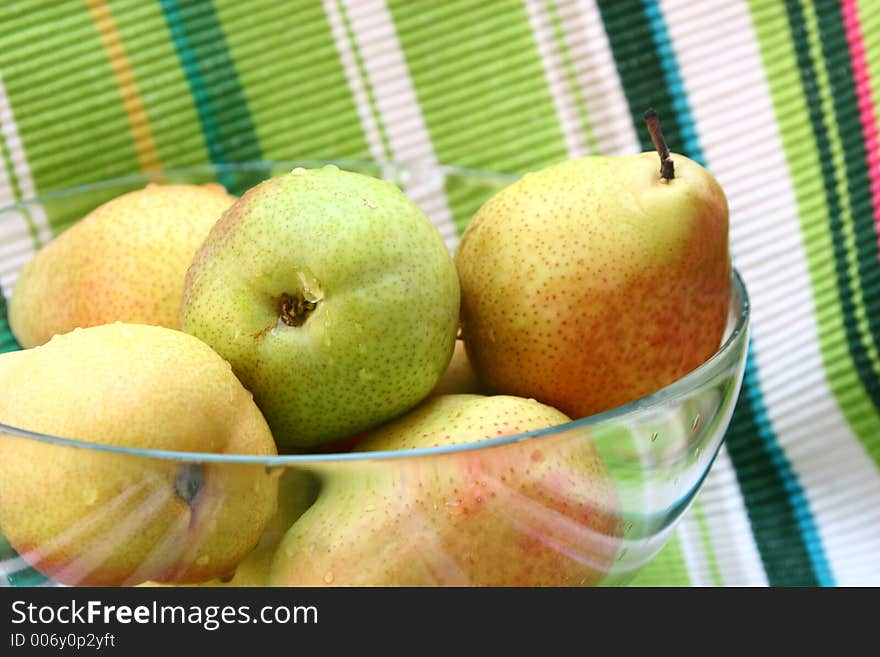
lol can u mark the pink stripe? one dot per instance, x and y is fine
(867, 113)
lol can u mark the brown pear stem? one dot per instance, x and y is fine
(294, 310)
(667, 167)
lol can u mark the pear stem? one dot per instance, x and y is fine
(667, 167)
(295, 309)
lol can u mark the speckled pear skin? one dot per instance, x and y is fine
(124, 261)
(99, 518)
(540, 512)
(460, 376)
(383, 287)
(592, 283)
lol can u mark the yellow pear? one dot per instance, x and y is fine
(538, 512)
(460, 376)
(124, 261)
(598, 280)
(102, 517)
(296, 492)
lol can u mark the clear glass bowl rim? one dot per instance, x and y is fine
(675, 390)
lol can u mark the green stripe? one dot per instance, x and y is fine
(869, 18)
(640, 69)
(639, 520)
(786, 58)
(490, 113)
(706, 541)
(365, 81)
(573, 85)
(668, 568)
(221, 106)
(67, 107)
(161, 82)
(293, 81)
(774, 525)
(857, 253)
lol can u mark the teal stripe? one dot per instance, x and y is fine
(862, 319)
(804, 522)
(770, 489)
(210, 72)
(650, 77)
(7, 340)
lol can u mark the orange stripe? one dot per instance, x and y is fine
(132, 102)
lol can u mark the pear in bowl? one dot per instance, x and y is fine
(124, 261)
(597, 281)
(296, 493)
(334, 298)
(98, 516)
(535, 513)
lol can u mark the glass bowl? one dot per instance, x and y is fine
(589, 502)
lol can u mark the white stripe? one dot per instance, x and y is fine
(688, 531)
(399, 111)
(595, 74)
(775, 269)
(729, 531)
(602, 92)
(352, 74)
(16, 244)
(600, 83)
(738, 558)
(557, 80)
(13, 565)
(656, 493)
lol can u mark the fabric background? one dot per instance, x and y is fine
(779, 99)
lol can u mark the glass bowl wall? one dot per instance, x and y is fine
(585, 503)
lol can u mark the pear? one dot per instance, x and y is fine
(296, 492)
(598, 280)
(99, 517)
(460, 376)
(124, 261)
(539, 512)
(334, 298)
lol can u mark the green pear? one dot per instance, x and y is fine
(596, 281)
(333, 296)
(101, 517)
(542, 511)
(124, 261)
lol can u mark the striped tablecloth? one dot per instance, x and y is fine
(780, 99)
